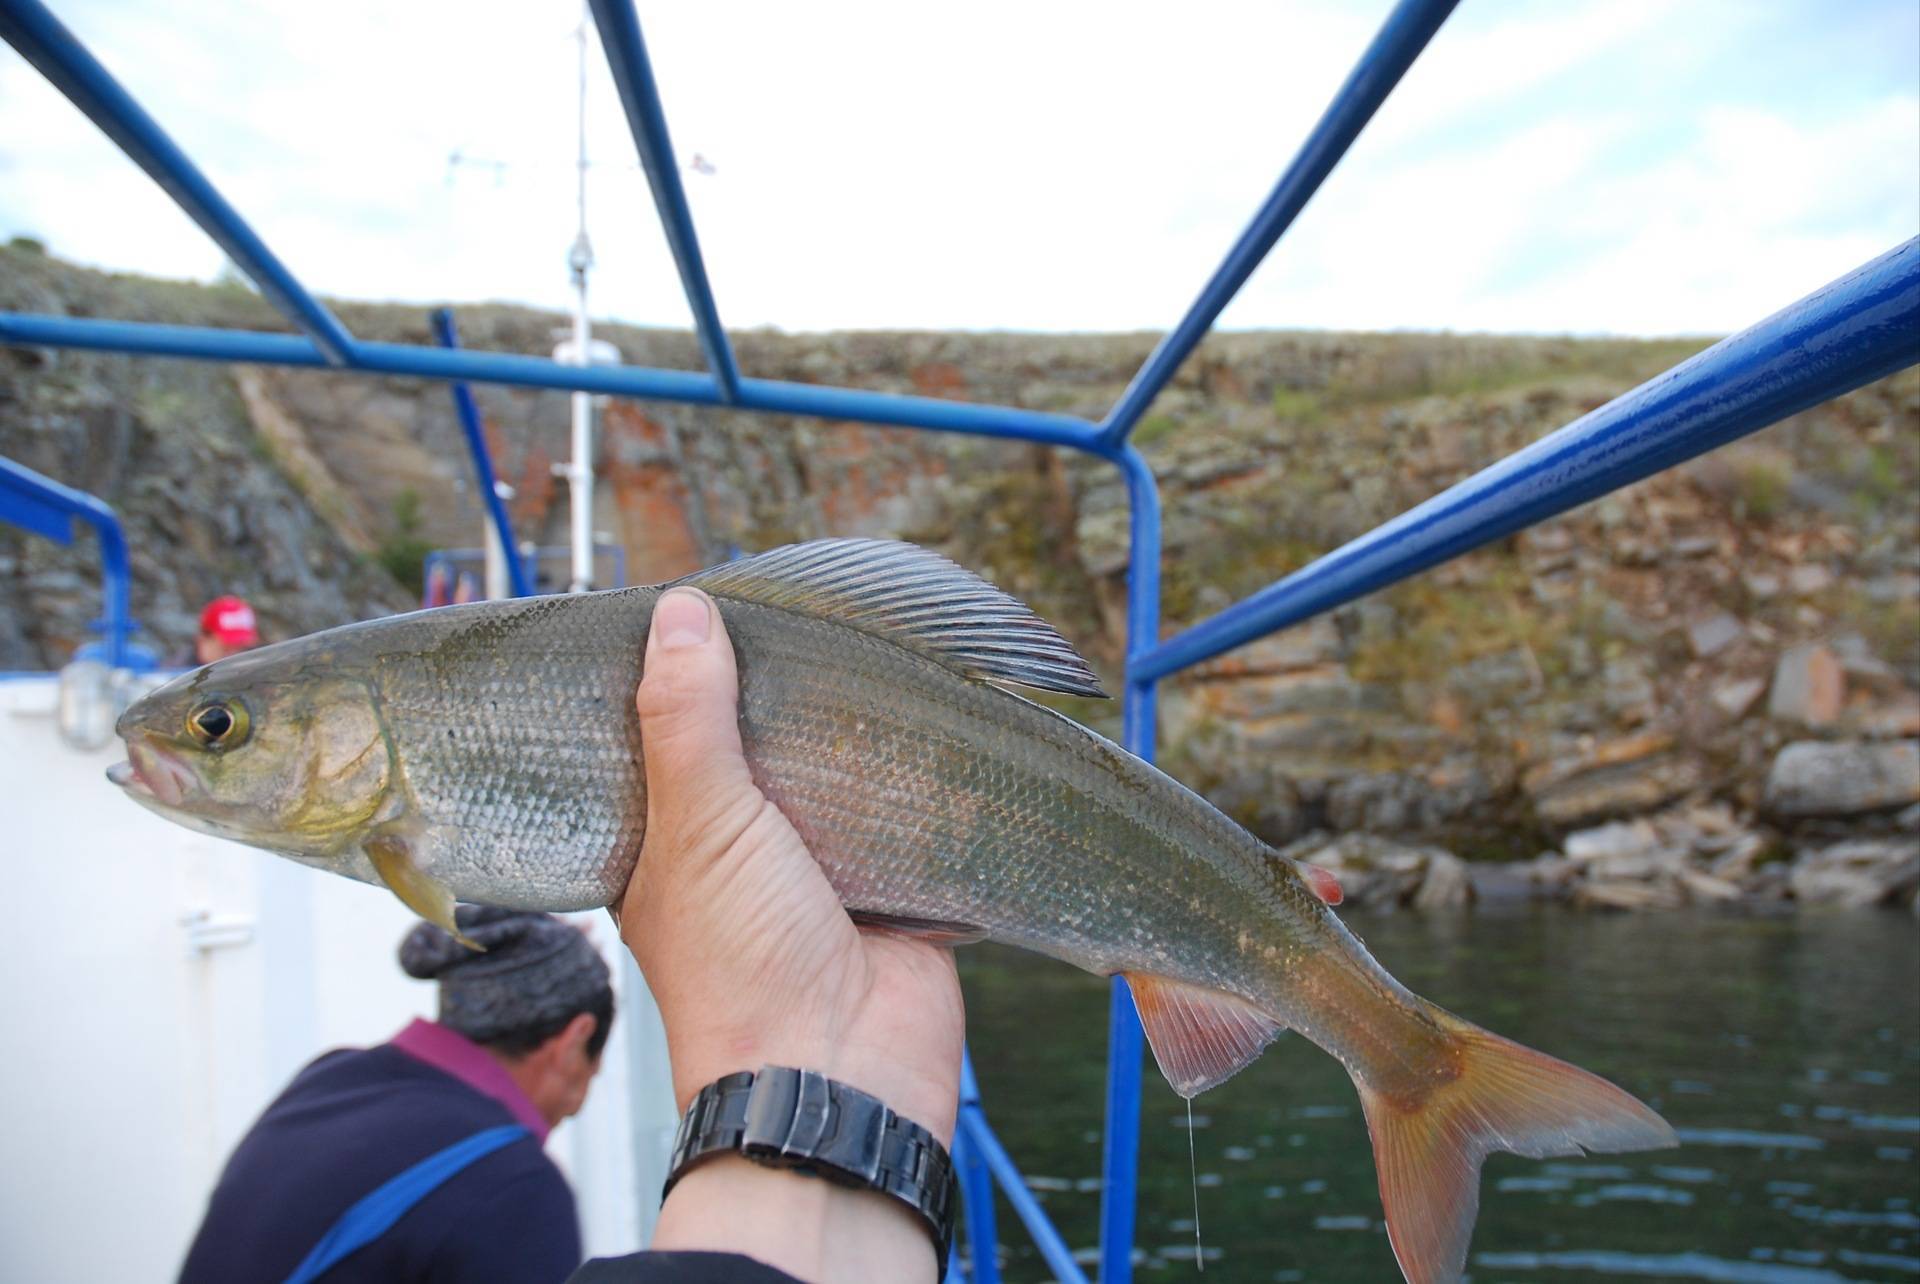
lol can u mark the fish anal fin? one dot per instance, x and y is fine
(937, 931)
(393, 859)
(1200, 1037)
(1496, 1095)
(914, 598)
(1323, 881)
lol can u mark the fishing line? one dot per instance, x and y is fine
(1193, 1173)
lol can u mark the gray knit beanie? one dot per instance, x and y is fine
(536, 971)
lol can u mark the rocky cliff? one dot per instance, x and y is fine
(1730, 649)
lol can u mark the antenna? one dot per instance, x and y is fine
(579, 262)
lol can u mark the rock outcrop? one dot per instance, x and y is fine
(1740, 636)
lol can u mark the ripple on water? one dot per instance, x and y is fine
(1688, 1266)
(1592, 1172)
(1636, 1193)
(1695, 1176)
(1891, 1261)
(1744, 1137)
(1894, 1218)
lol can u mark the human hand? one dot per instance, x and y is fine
(753, 962)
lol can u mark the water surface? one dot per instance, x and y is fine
(1784, 1049)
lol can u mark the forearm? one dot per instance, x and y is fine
(810, 1228)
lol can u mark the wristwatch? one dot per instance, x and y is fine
(802, 1120)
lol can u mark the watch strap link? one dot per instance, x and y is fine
(800, 1119)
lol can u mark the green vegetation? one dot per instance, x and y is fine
(1297, 404)
(28, 245)
(1763, 483)
(402, 550)
(1450, 625)
(1154, 428)
(1877, 480)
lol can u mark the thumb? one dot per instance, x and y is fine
(689, 702)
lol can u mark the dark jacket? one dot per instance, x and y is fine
(679, 1268)
(351, 1121)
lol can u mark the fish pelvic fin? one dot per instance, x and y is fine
(1492, 1095)
(914, 598)
(934, 931)
(393, 859)
(1200, 1037)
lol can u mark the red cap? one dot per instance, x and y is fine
(230, 619)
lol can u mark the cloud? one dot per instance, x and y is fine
(1582, 166)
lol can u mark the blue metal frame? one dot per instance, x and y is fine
(45, 507)
(1863, 326)
(450, 559)
(448, 334)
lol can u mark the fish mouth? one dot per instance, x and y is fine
(151, 773)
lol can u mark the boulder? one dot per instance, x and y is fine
(1621, 838)
(1620, 777)
(1500, 883)
(1445, 884)
(1713, 634)
(1816, 778)
(1707, 888)
(1810, 579)
(1320, 689)
(1626, 895)
(1305, 645)
(1897, 718)
(1735, 699)
(1865, 871)
(1374, 871)
(1809, 687)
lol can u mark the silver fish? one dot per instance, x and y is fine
(490, 753)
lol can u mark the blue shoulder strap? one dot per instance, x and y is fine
(374, 1214)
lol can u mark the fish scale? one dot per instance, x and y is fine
(872, 714)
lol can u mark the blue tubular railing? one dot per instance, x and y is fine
(1861, 327)
(984, 1149)
(43, 41)
(633, 75)
(469, 415)
(1406, 32)
(47, 508)
(771, 396)
(976, 1182)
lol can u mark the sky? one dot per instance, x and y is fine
(1564, 166)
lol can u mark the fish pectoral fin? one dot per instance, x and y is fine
(936, 931)
(1200, 1037)
(393, 860)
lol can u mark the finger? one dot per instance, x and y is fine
(688, 704)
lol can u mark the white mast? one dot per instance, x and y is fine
(579, 259)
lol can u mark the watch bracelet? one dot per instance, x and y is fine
(805, 1122)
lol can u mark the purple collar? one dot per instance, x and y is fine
(455, 1054)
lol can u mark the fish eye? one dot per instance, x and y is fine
(218, 724)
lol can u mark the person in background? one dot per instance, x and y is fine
(421, 1160)
(227, 626)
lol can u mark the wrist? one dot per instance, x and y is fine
(925, 1095)
(811, 1229)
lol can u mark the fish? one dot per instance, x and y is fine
(490, 753)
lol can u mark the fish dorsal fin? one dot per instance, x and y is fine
(1199, 1036)
(915, 598)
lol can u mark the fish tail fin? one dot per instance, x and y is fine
(1489, 1094)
